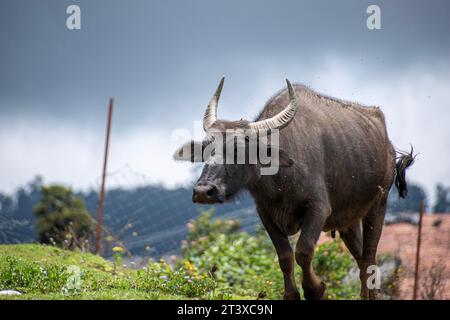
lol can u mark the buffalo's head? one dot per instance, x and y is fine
(236, 153)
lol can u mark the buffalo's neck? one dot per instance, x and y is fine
(265, 188)
(270, 190)
(275, 205)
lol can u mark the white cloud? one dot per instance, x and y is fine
(64, 154)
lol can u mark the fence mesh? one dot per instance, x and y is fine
(152, 220)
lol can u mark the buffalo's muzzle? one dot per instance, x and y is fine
(206, 193)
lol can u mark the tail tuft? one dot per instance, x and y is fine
(404, 161)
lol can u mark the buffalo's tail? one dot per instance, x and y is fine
(404, 161)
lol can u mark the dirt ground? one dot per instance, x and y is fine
(401, 240)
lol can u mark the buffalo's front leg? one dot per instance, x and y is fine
(285, 258)
(313, 287)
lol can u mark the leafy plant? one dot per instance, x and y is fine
(247, 264)
(27, 276)
(62, 218)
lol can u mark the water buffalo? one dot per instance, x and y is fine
(336, 167)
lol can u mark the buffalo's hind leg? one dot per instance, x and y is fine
(285, 257)
(313, 287)
(353, 240)
(372, 228)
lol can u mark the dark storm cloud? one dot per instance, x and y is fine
(162, 59)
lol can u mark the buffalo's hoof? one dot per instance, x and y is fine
(318, 293)
(373, 295)
(369, 294)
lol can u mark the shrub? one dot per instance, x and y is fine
(433, 282)
(184, 280)
(333, 264)
(247, 264)
(62, 218)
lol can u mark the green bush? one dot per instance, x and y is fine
(246, 264)
(332, 263)
(62, 219)
(184, 280)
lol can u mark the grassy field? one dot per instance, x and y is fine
(43, 272)
(216, 261)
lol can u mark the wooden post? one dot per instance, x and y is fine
(101, 199)
(419, 240)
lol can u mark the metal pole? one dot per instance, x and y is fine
(101, 200)
(419, 240)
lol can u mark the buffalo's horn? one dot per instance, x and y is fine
(211, 111)
(283, 118)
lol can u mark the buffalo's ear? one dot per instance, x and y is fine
(190, 151)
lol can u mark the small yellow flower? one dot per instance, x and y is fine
(188, 265)
(118, 249)
(191, 269)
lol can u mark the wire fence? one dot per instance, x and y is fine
(151, 220)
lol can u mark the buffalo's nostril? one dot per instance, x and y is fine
(205, 193)
(210, 192)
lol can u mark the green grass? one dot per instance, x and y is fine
(42, 272)
(217, 261)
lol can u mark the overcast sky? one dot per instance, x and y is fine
(161, 61)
